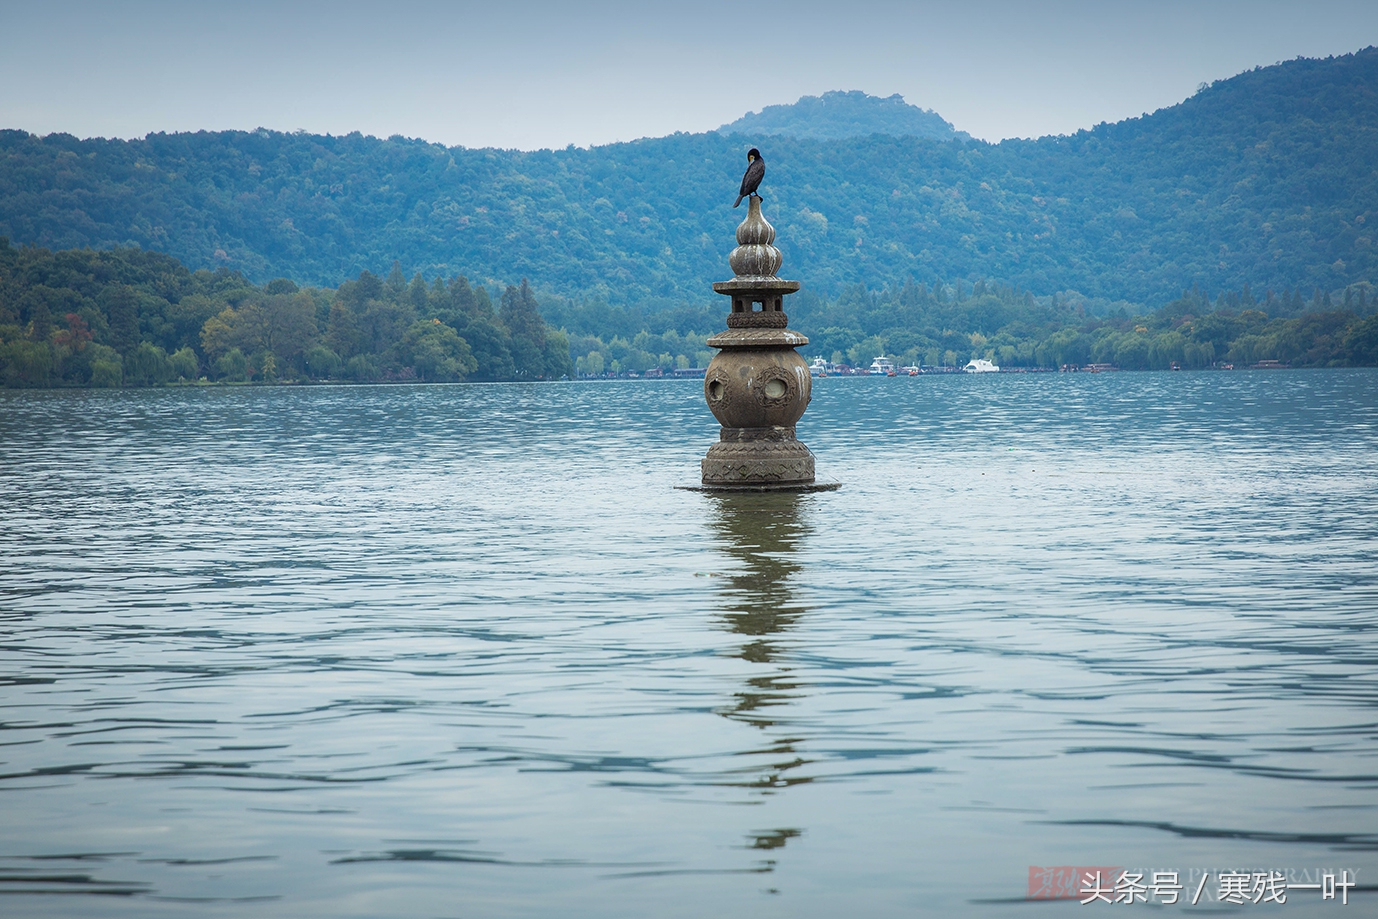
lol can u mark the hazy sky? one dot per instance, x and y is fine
(546, 74)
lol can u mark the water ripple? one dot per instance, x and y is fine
(382, 650)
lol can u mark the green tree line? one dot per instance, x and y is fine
(127, 317)
(947, 325)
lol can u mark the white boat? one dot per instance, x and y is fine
(820, 367)
(913, 370)
(979, 366)
(882, 367)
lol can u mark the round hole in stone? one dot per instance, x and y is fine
(715, 390)
(775, 388)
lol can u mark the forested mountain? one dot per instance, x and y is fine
(1268, 179)
(839, 115)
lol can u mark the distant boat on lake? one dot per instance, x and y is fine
(882, 367)
(980, 366)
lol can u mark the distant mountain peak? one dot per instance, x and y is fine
(838, 115)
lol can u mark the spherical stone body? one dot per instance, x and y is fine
(751, 388)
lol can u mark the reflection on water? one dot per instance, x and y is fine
(762, 532)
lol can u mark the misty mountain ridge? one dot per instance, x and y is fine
(1268, 178)
(839, 115)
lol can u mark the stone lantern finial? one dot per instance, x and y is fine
(755, 256)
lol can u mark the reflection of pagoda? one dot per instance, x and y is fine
(761, 531)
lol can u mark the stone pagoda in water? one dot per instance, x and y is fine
(757, 385)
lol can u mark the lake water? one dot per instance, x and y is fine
(441, 651)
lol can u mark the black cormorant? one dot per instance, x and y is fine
(754, 174)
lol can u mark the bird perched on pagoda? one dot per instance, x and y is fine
(755, 172)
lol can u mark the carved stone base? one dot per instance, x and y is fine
(753, 457)
(793, 488)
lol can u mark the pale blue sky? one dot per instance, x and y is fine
(544, 74)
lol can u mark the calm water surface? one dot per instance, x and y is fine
(465, 650)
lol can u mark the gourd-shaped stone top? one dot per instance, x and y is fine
(755, 256)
